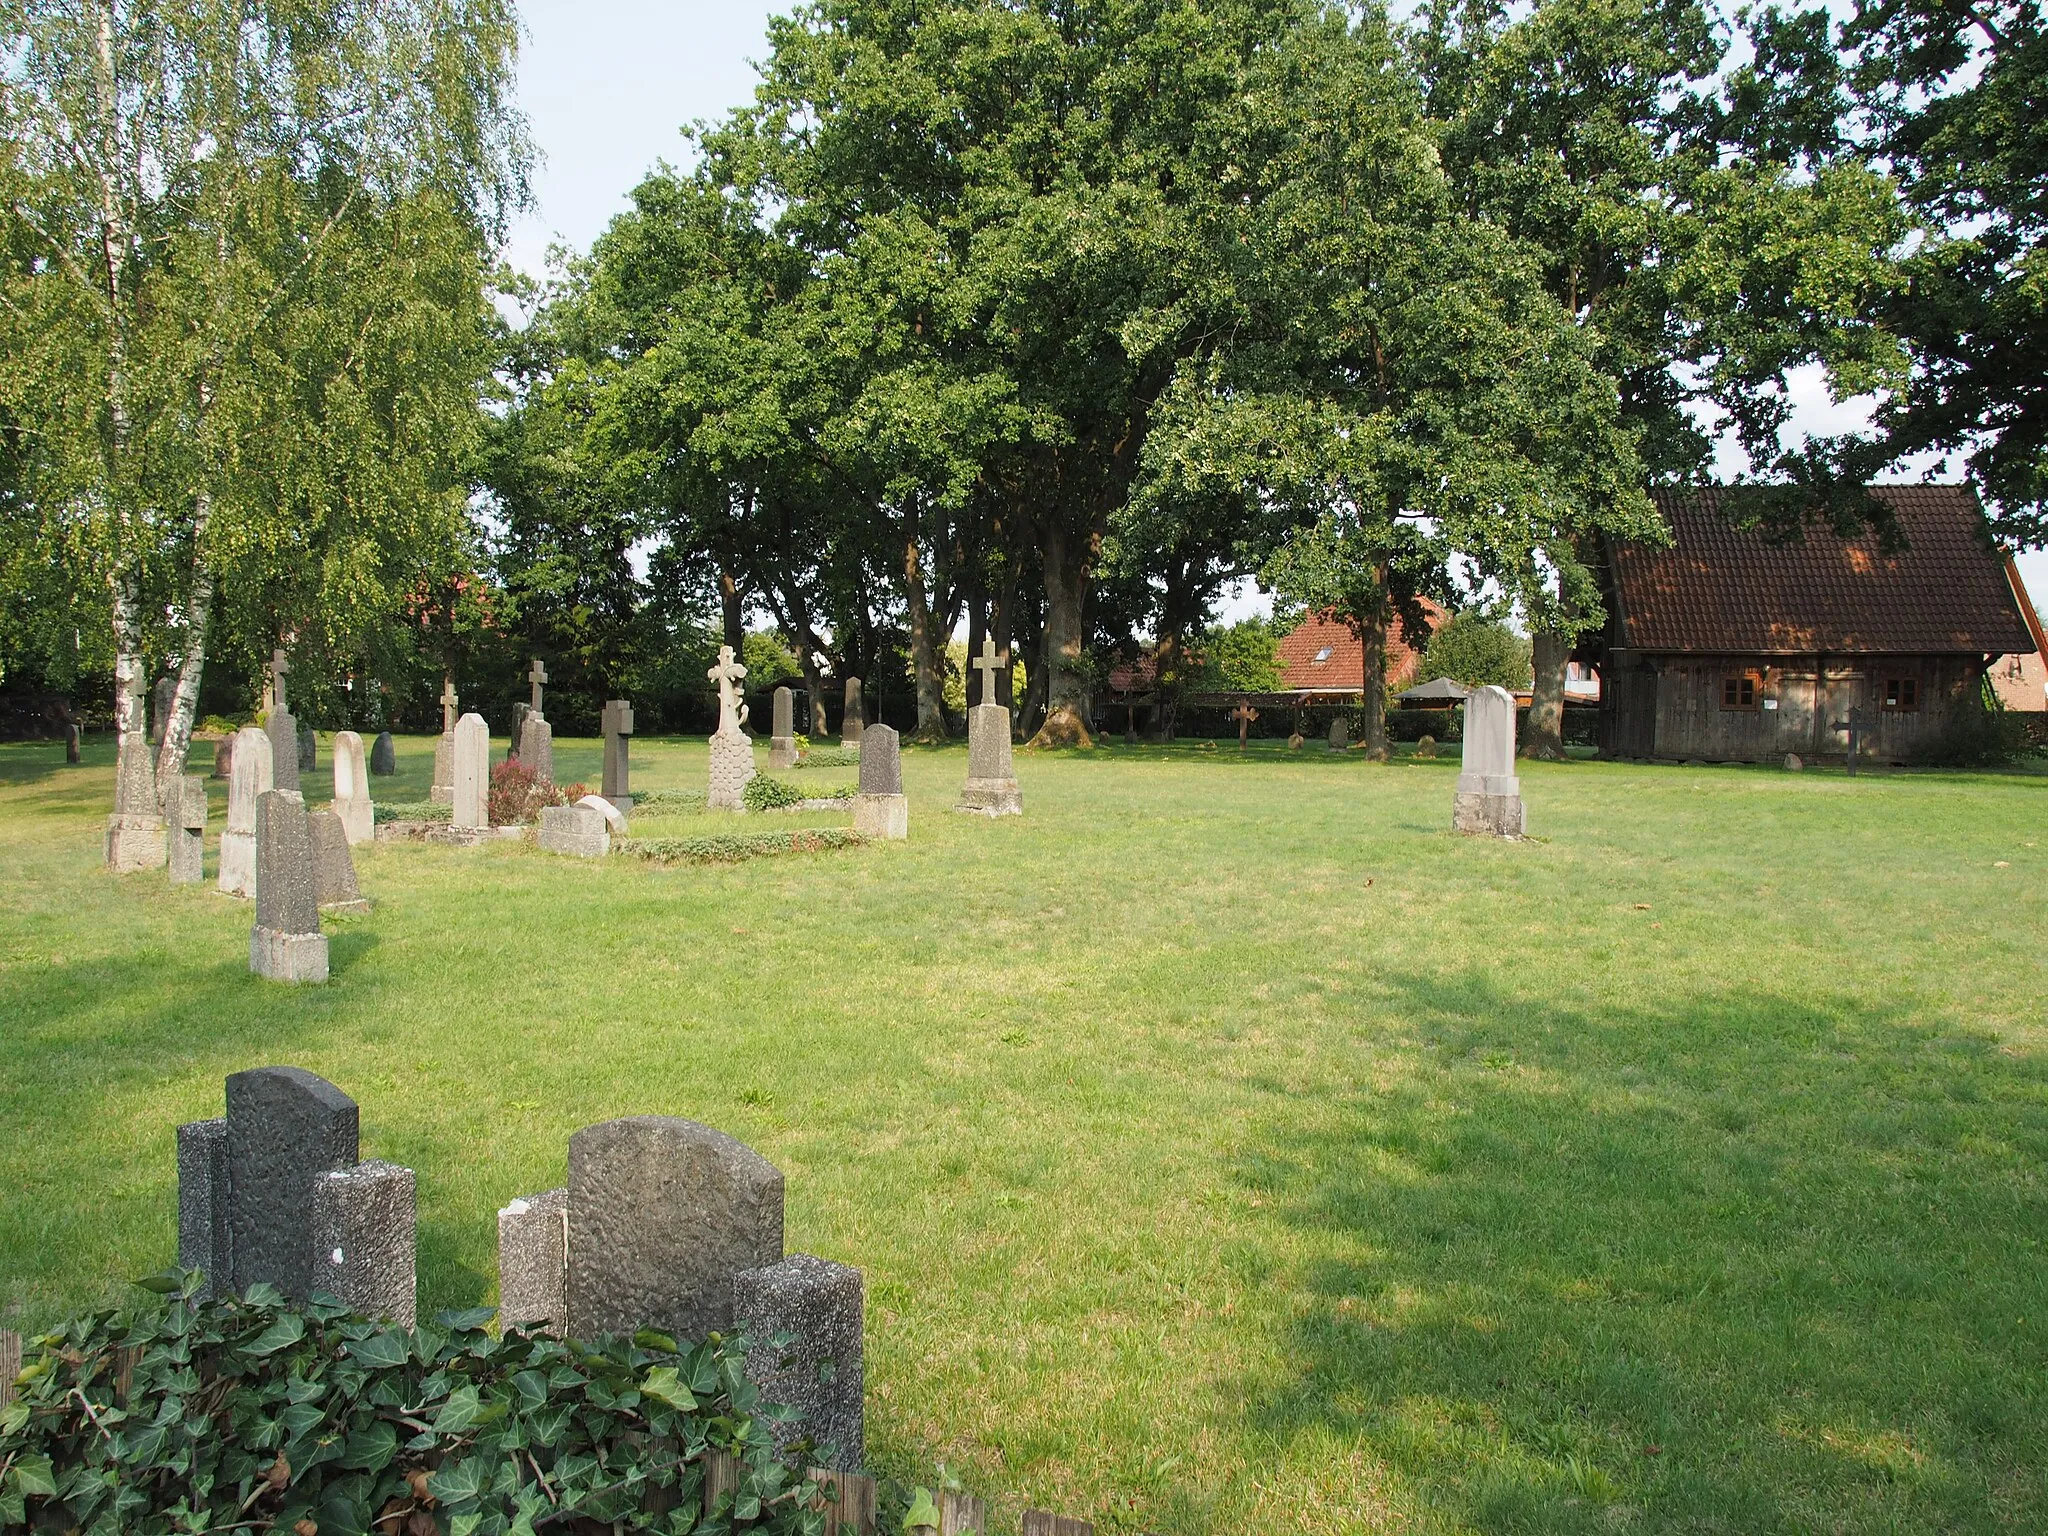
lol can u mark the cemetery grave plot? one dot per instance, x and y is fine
(1226, 1143)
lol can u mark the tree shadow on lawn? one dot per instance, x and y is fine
(1748, 1264)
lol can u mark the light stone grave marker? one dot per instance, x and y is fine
(732, 750)
(535, 737)
(881, 809)
(275, 1193)
(442, 790)
(188, 831)
(782, 742)
(850, 723)
(137, 836)
(352, 788)
(248, 777)
(286, 944)
(617, 724)
(224, 757)
(1489, 795)
(472, 773)
(991, 788)
(165, 698)
(577, 830)
(1340, 734)
(334, 867)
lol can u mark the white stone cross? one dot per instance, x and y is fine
(988, 665)
(448, 702)
(727, 675)
(278, 667)
(537, 676)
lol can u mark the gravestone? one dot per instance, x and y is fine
(283, 729)
(732, 750)
(1489, 795)
(991, 788)
(535, 736)
(352, 788)
(472, 773)
(286, 944)
(533, 1263)
(1793, 763)
(519, 709)
(851, 722)
(274, 1193)
(1425, 746)
(576, 830)
(137, 836)
(334, 867)
(309, 749)
(782, 742)
(165, 699)
(1295, 742)
(248, 777)
(614, 818)
(224, 757)
(819, 1371)
(384, 756)
(663, 1213)
(71, 742)
(1244, 715)
(881, 808)
(617, 724)
(188, 831)
(1340, 734)
(442, 790)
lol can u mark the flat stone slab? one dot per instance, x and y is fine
(578, 831)
(136, 843)
(533, 1262)
(883, 816)
(297, 958)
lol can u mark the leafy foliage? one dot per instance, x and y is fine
(830, 757)
(734, 847)
(1477, 651)
(1243, 657)
(411, 810)
(518, 793)
(765, 794)
(667, 802)
(1981, 733)
(192, 1415)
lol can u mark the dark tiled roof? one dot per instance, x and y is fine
(1719, 589)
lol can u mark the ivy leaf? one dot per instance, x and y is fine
(648, 1338)
(282, 1334)
(263, 1294)
(468, 1320)
(661, 1385)
(371, 1449)
(458, 1413)
(923, 1511)
(380, 1351)
(34, 1474)
(455, 1481)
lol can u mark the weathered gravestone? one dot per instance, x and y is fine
(384, 756)
(1244, 715)
(782, 741)
(188, 831)
(71, 742)
(286, 944)
(224, 757)
(732, 750)
(614, 818)
(442, 790)
(165, 699)
(819, 1307)
(309, 749)
(1489, 796)
(577, 830)
(991, 788)
(137, 837)
(352, 788)
(1340, 734)
(275, 1194)
(851, 722)
(535, 736)
(248, 777)
(617, 723)
(334, 867)
(472, 774)
(671, 1225)
(881, 809)
(283, 729)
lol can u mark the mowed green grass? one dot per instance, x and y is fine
(1227, 1146)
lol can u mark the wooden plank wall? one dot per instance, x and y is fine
(10, 1364)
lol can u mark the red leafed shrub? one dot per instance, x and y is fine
(518, 793)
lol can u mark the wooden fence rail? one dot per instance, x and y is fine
(847, 1499)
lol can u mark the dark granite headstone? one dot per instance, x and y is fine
(285, 1127)
(203, 1242)
(663, 1213)
(384, 756)
(286, 944)
(819, 1371)
(364, 1239)
(881, 761)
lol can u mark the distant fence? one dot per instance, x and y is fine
(846, 1499)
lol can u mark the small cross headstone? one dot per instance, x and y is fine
(278, 668)
(449, 701)
(988, 664)
(991, 788)
(537, 675)
(732, 750)
(1244, 715)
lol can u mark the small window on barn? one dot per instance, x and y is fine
(1902, 693)
(1739, 692)
(1325, 654)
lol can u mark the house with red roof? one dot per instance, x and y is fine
(1728, 645)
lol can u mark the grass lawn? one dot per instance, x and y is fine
(1226, 1145)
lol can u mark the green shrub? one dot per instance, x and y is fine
(255, 1414)
(831, 757)
(1476, 651)
(412, 810)
(668, 802)
(733, 847)
(765, 794)
(1981, 733)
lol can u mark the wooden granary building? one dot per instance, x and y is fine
(1729, 647)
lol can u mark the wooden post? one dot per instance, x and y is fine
(10, 1364)
(848, 1500)
(1038, 1523)
(961, 1515)
(721, 1477)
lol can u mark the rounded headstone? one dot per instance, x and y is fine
(384, 756)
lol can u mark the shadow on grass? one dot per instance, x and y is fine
(1772, 1264)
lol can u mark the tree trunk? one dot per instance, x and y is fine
(735, 620)
(131, 721)
(1545, 740)
(176, 745)
(1066, 686)
(1372, 634)
(925, 661)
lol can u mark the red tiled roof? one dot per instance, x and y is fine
(1344, 667)
(1720, 589)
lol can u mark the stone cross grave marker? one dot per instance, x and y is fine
(471, 773)
(616, 785)
(850, 722)
(248, 776)
(352, 788)
(988, 664)
(283, 729)
(286, 944)
(137, 835)
(534, 738)
(442, 789)
(732, 750)
(881, 809)
(1489, 795)
(537, 674)
(1857, 725)
(188, 831)
(275, 1193)
(991, 787)
(782, 739)
(1244, 715)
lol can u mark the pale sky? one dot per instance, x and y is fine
(608, 84)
